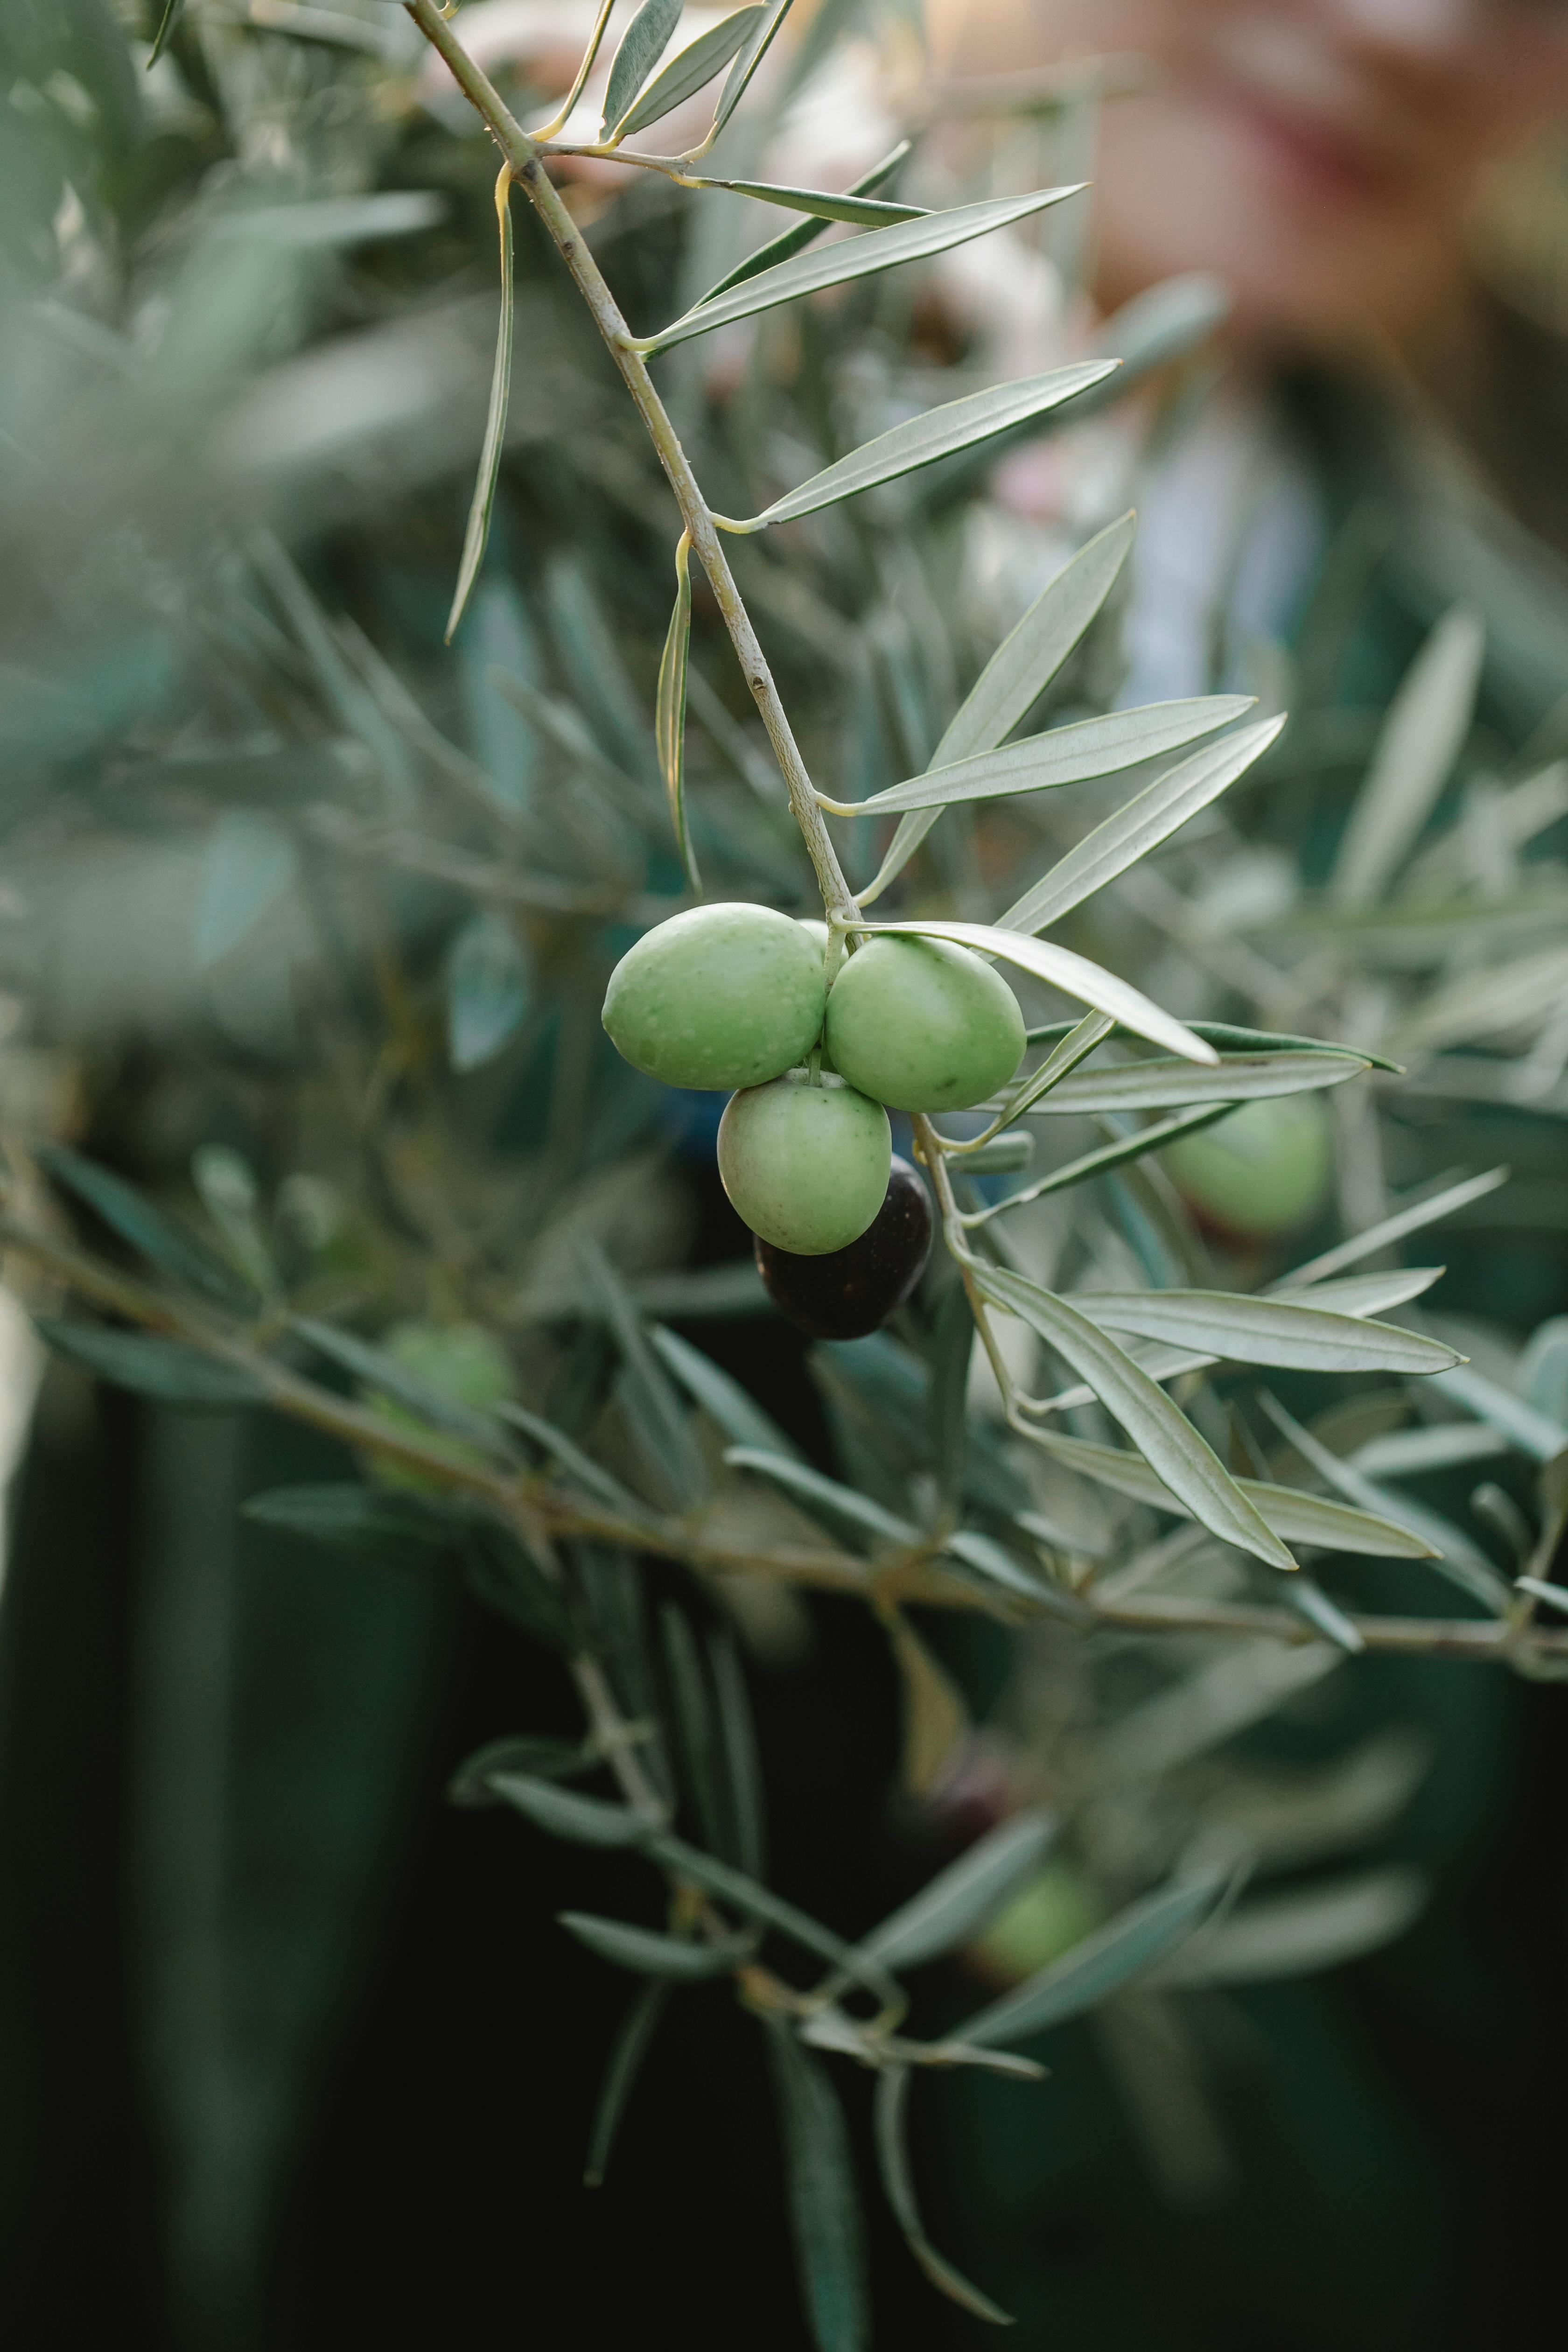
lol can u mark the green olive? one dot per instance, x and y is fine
(806, 1162)
(719, 996)
(1263, 1171)
(1050, 1913)
(462, 1362)
(923, 1025)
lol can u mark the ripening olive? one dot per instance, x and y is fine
(806, 1162)
(719, 996)
(1263, 1171)
(923, 1025)
(851, 1292)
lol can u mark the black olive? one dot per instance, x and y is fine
(851, 1292)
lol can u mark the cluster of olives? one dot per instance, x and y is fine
(735, 997)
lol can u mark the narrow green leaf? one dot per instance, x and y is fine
(826, 1494)
(1126, 1947)
(248, 864)
(1295, 1517)
(922, 440)
(1298, 1934)
(1166, 1438)
(651, 1954)
(1063, 755)
(947, 1394)
(582, 1820)
(1422, 737)
(687, 71)
(722, 1399)
(862, 212)
(825, 2203)
(1363, 1294)
(1482, 1004)
(1309, 1600)
(380, 1522)
(643, 44)
(860, 256)
(499, 1572)
(166, 24)
(488, 990)
(379, 1371)
(477, 532)
(1073, 974)
(1450, 1551)
(1239, 1329)
(627, 2052)
(539, 1759)
(1242, 1684)
(889, 2107)
(1404, 1222)
(993, 1561)
(961, 1898)
(1535, 1434)
(738, 1748)
(1225, 1036)
(1172, 1085)
(1005, 1155)
(1149, 818)
(165, 1371)
(152, 1235)
(757, 46)
(669, 709)
(1406, 1452)
(1108, 1156)
(693, 1723)
(589, 1474)
(1016, 675)
(1059, 1064)
(796, 240)
(742, 1893)
(661, 1424)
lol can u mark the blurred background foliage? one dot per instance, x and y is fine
(304, 929)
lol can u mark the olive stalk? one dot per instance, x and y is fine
(523, 159)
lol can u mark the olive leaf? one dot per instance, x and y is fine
(861, 257)
(651, 1954)
(380, 1522)
(860, 212)
(1533, 1431)
(758, 43)
(825, 2203)
(1064, 755)
(589, 1474)
(1395, 1228)
(1149, 818)
(693, 1723)
(1175, 1085)
(1234, 1329)
(723, 1399)
(248, 864)
(381, 1371)
(1125, 1947)
(1073, 974)
(166, 24)
(669, 709)
(889, 2106)
(687, 71)
(738, 1750)
(643, 44)
(1307, 1599)
(1106, 1156)
(1421, 737)
(796, 240)
(476, 531)
(581, 1820)
(1015, 676)
(1166, 1439)
(742, 1893)
(488, 990)
(165, 1370)
(543, 1759)
(840, 1503)
(1298, 1933)
(627, 2052)
(658, 1420)
(922, 440)
(1295, 1517)
(150, 1232)
(960, 1899)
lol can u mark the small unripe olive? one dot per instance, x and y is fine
(1051, 1912)
(806, 1164)
(923, 1025)
(1263, 1171)
(851, 1292)
(461, 1362)
(719, 996)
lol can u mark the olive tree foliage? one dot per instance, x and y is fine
(309, 795)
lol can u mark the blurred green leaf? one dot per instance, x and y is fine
(722, 1399)
(381, 1371)
(693, 1724)
(499, 1572)
(1295, 1935)
(581, 1820)
(151, 1235)
(658, 1420)
(860, 256)
(897, 2183)
(1421, 737)
(1127, 1947)
(651, 1954)
(1139, 826)
(825, 2202)
(742, 1893)
(951, 1346)
(961, 1898)
(738, 1748)
(1108, 1156)
(477, 532)
(590, 1475)
(687, 71)
(921, 440)
(539, 1759)
(626, 2054)
(1408, 1220)
(841, 1503)
(643, 44)
(488, 990)
(1247, 1683)
(1309, 1600)
(247, 864)
(163, 1369)
(384, 1523)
